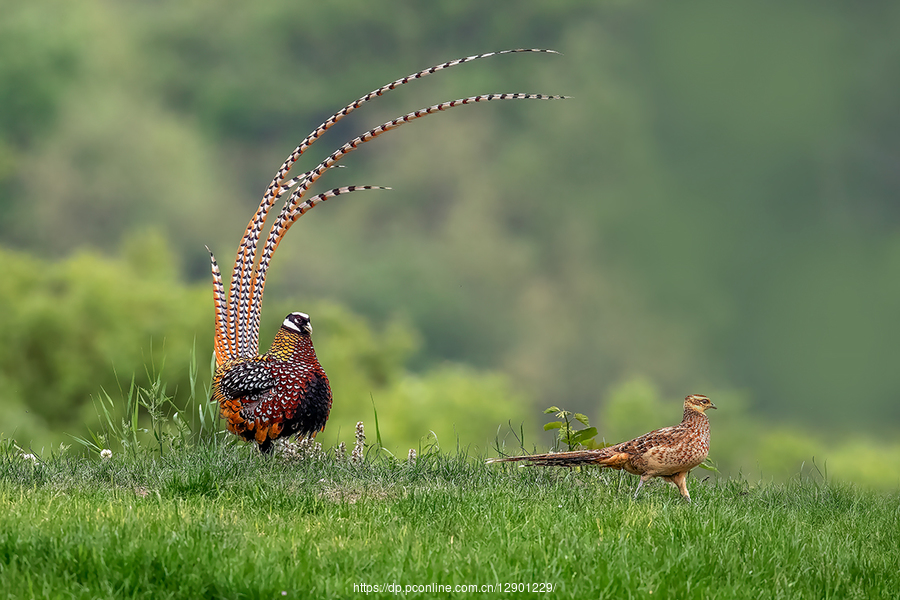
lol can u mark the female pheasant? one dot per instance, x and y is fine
(669, 453)
(285, 391)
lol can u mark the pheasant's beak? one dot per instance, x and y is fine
(711, 405)
(308, 328)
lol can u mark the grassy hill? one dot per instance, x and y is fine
(221, 521)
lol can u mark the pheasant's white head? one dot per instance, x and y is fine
(698, 402)
(299, 322)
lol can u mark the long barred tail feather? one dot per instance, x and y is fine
(282, 173)
(318, 199)
(560, 459)
(259, 281)
(309, 178)
(237, 318)
(312, 176)
(289, 215)
(244, 276)
(221, 341)
(242, 334)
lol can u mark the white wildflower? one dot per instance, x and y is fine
(106, 454)
(302, 449)
(356, 457)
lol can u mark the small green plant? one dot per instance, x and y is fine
(9, 447)
(569, 436)
(125, 421)
(709, 465)
(379, 446)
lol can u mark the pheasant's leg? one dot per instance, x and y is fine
(680, 480)
(644, 478)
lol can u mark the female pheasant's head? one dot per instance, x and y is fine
(298, 322)
(698, 402)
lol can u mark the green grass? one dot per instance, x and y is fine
(225, 522)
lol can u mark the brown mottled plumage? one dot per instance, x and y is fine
(669, 453)
(285, 391)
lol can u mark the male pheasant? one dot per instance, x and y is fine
(669, 453)
(285, 391)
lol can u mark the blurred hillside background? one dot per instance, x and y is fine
(716, 210)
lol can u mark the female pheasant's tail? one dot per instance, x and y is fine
(576, 458)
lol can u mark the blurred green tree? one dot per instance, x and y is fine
(74, 327)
